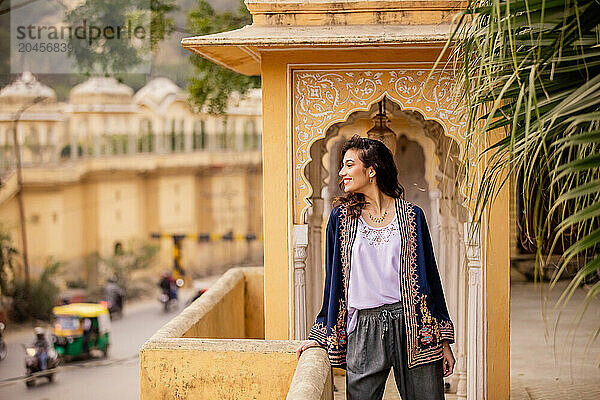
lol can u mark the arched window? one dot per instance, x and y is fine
(32, 143)
(224, 134)
(51, 136)
(145, 136)
(181, 135)
(203, 138)
(248, 127)
(199, 136)
(118, 249)
(254, 136)
(172, 138)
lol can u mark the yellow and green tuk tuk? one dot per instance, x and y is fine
(81, 330)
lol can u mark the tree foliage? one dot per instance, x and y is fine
(530, 69)
(28, 300)
(8, 255)
(212, 84)
(108, 56)
(36, 298)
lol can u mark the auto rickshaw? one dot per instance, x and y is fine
(81, 330)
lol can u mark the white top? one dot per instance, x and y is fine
(375, 268)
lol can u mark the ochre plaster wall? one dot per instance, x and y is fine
(118, 213)
(275, 197)
(218, 370)
(225, 319)
(232, 309)
(90, 224)
(71, 216)
(9, 220)
(45, 215)
(254, 304)
(366, 12)
(176, 197)
(74, 230)
(179, 361)
(497, 292)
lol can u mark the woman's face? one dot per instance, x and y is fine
(355, 176)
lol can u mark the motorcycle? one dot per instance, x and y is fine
(114, 309)
(3, 348)
(168, 295)
(32, 365)
(167, 301)
(114, 297)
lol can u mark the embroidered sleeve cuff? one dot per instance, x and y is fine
(318, 333)
(447, 331)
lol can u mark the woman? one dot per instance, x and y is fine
(383, 303)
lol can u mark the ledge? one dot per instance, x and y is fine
(313, 379)
(239, 50)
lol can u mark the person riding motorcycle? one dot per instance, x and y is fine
(168, 285)
(40, 359)
(41, 346)
(114, 295)
(3, 347)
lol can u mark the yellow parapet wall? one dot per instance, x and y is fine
(216, 369)
(212, 350)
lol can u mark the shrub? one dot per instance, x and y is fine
(8, 259)
(36, 299)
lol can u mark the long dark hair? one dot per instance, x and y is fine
(372, 153)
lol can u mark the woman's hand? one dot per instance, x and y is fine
(307, 344)
(448, 359)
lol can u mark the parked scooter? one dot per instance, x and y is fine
(3, 347)
(40, 359)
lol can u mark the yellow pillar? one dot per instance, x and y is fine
(276, 201)
(497, 291)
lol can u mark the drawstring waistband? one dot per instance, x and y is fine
(385, 320)
(384, 313)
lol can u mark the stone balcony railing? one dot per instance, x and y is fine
(120, 145)
(215, 349)
(52, 174)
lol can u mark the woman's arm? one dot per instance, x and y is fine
(448, 360)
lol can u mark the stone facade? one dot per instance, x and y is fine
(111, 166)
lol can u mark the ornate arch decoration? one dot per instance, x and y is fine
(323, 98)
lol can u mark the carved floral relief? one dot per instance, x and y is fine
(323, 98)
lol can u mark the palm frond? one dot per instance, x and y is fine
(530, 70)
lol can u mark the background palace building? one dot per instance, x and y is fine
(112, 166)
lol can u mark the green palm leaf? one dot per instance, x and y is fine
(531, 69)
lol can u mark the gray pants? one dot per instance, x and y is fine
(376, 344)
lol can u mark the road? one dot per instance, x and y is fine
(114, 378)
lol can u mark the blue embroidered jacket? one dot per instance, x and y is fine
(425, 313)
